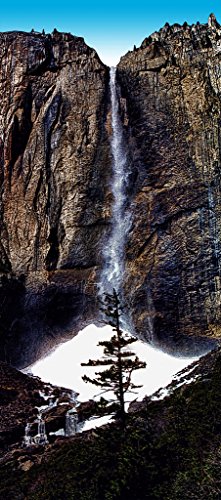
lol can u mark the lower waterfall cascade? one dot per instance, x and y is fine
(72, 425)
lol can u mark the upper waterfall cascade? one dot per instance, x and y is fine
(113, 253)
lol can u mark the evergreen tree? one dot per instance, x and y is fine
(120, 361)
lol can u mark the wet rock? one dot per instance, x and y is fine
(172, 89)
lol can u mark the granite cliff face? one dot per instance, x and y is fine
(53, 201)
(171, 89)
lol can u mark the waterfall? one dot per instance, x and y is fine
(27, 439)
(41, 437)
(71, 422)
(113, 253)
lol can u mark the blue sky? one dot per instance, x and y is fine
(111, 27)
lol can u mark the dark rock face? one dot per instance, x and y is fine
(171, 89)
(53, 202)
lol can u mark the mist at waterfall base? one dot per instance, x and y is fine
(63, 367)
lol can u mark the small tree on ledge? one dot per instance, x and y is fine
(119, 360)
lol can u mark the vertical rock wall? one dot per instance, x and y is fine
(172, 88)
(54, 155)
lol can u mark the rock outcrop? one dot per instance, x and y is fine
(54, 198)
(171, 90)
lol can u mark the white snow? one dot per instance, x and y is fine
(92, 423)
(62, 367)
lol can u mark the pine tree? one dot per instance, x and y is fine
(119, 360)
